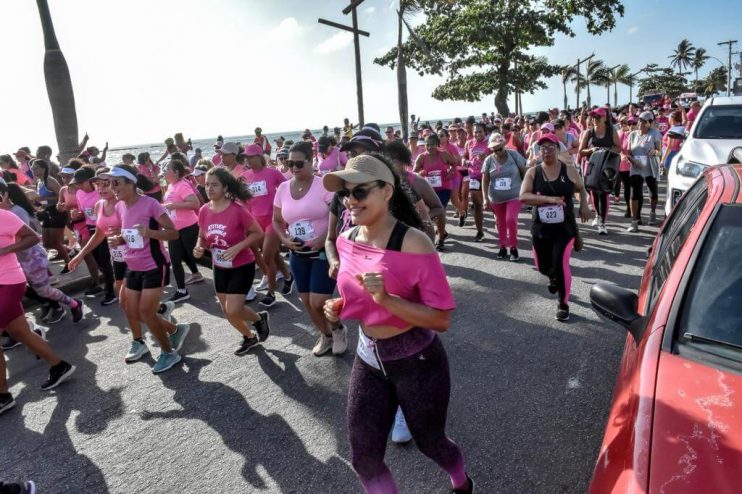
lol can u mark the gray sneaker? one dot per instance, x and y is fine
(634, 227)
(177, 338)
(324, 345)
(138, 350)
(339, 340)
(652, 218)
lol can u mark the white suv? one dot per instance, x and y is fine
(716, 131)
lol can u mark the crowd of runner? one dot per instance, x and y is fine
(360, 216)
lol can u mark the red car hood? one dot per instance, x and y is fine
(697, 431)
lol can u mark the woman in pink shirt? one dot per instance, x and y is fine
(476, 151)
(229, 231)
(182, 203)
(301, 214)
(152, 172)
(16, 236)
(456, 178)
(329, 155)
(393, 282)
(262, 182)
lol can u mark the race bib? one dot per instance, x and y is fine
(551, 214)
(258, 189)
(132, 238)
(172, 213)
(503, 183)
(643, 160)
(435, 180)
(218, 256)
(89, 213)
(474, 184)
(365, 350)
(303, 229)
(117, 253)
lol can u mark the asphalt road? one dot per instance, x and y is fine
(530, 396)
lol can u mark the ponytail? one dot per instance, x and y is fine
(234, 189)
(401, 205)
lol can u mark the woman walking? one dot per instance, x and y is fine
(476, 151)
(645, 146)
(53, 222)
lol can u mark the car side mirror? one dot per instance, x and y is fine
(735, 156)
(619, 305)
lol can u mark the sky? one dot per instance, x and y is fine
(145, 69)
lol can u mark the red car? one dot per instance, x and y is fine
(675, 424)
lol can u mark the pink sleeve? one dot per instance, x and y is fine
(433, 285)
(278, 198)
(343, 158)
(11, 224)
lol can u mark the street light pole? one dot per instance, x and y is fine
(729, 43)
(578, 78)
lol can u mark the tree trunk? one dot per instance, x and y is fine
(608, 94)
(615, 94)
(501, 97)
(59, 88)
(564, 86)
(402, 78)
(589, 101)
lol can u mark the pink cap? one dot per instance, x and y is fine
(598, 112)
(548, 138)
(548, 127)
(253, 150)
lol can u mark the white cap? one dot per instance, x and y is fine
(229, 148)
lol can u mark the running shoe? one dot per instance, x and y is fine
(634, 227)
(627, 213)
(45, 311)
(65, 270)
(179, 296)
(94, 291)
(263, 285)
(251, 295)
(514, 257)
(479, 236)
(9, 343)
(138, 350)
(602, 230)
(652, 218)
(400, 431)
(262, 327)
(269, 300)
(166, 310)
(108, 299)
(596, 221)
(38, 330)
(562, 314)
(288, 285)
(552, 286)
(246, 345)
(195, 278)
(27, 487)
(465, 490)
(440, 246)
(6, 402)
(166, 361)
(323, 345)
(77, 311)
(462, 220)
(55, 315)
(339, 340)
(58, 374)
(503, 253)
(177, 338)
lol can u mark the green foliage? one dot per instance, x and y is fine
(683, 55)
(715, 82)
(663, 80)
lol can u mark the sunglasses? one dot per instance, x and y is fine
(102, 183)
(298, 164)
(358, 193)
(116, 183)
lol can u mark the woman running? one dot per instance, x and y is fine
(476, 151)
(645, 145)
(502, 174)
(145, 225)
(301, 210)
(181, 202)
(456, 178)
(262, 182)
(550, 187)
(400, 360)
(229, 231)
(67, 203)
(53, 222)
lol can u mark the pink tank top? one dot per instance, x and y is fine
(104, 222)
(436, 172)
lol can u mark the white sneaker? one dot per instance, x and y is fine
(602, 230)
(251, 295)
(324, 345)
(634, 227)
(596, 221)
(263, 285)
(400, 432)
(339, 340)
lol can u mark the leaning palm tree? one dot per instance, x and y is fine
(58, 87)
(569, 75)
(594, 76)
(619, 75)
(699, 60)
(683, 55)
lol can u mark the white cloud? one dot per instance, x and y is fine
(287, 28)
(633, 29)
(370, 10)
(337, 42)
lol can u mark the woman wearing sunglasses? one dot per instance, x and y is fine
(399, 361)
(232, 235)
(145, 226)
(301, 210)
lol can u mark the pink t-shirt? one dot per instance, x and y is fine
(178, 192)
(308, 217)
(436, 172)
(334, 161)
(691, 116)
(663, 124)
(625, 164)
(142, 254)
(475, 153)
(237, 171)
(224, 230)
(153, 174)
(418, 278)
(10, 270)
(217, 159)
(86, 202)
(262, 185)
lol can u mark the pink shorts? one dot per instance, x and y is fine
(11, 303)
(266, 223)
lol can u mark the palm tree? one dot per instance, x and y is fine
(619, 75)
(58, 87)
(683, 55)
(594, 75)
(569, 74)
(699, 60)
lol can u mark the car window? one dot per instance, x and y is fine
(673, 236)
(712, 305)
(720, 122)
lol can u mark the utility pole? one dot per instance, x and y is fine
(729, 44)
(577, 106)
(351, 9)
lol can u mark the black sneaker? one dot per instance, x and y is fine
(562, 314)
(514, 257)
(288, 285)
(77, 311)
(55, 315)
(65, 270)
(268, 301)
(94, 291)
(9, 343)
(479, 236)
(246, 345)
(109, 299)
(27, 487)
(503, 253)
(627, 214)
(462, 220)
(440, 246)
(58, 374)
(262, 327)
(6, 402)
(179, 297)
(45, 311)
(553, 285)
(468, 490)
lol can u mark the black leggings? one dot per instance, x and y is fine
(637, 189)
(102, 257)
(600, 203)
(181, 249)
(624, 178)
(421, 386)
(551, 254)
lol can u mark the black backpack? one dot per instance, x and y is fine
(602, 170)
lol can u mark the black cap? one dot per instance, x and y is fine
(324, 143)
(84, 174)
(367, 137)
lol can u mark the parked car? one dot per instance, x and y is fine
(686, 99)
(675, 424)
(715, 132)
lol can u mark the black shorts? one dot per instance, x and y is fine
(119, 270)
(51, 218)
(234, 281)
(144, 280)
